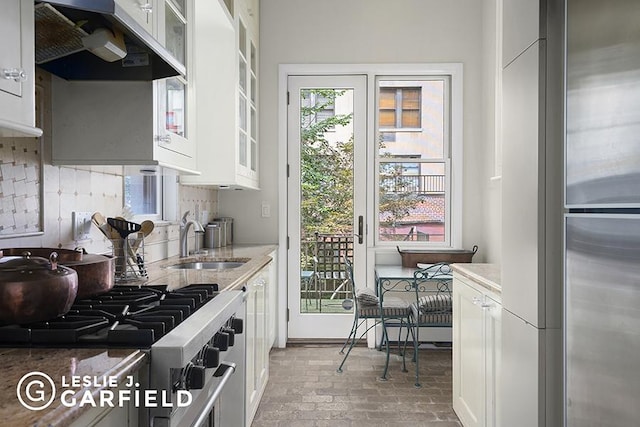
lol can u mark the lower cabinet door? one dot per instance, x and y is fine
(257, 354)
(468, 355)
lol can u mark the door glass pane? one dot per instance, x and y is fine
(242, 113)
(242, 75)
(179, 4)
(254, 156)
(175, 101)
(242, 149)
(326, 193)
(175, 30)
(412, 150)
(242, 39)
(254, 59)
(254, 124)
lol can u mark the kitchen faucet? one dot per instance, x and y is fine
(184, 229)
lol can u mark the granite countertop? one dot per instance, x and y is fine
(487, 275)
(255, 256)
(115, 364)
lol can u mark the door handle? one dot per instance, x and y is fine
(360, 229)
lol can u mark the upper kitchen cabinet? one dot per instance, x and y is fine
(173, 94)
(532, 118)
(226, 124)
(17, 73)
(129, 121)
(141, 11)
(523, 24)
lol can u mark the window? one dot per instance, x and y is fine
(318, 105)
(151, 194)
(142, 195)
(413, 160)
(399, 107)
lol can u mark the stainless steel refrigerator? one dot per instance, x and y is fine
(602, 214)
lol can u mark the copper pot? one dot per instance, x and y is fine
(33, 289)
(95, 272)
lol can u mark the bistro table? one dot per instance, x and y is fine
(395, 278)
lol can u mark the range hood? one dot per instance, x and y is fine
(68, 31)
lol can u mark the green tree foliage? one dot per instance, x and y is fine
(327, 169)
(327, 173)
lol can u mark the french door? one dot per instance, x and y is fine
(326, 143)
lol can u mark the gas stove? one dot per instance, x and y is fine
(126, 316)
(193, 336)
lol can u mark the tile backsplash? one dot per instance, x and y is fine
(80, 188)
(20, 190)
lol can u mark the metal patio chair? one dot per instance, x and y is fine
(367, 306)
(433, 305)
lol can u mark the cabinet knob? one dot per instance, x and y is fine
(15, 74)
(147, 7)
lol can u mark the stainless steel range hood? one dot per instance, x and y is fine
(62, 24)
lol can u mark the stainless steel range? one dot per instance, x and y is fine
(205, 356)
(194, 337)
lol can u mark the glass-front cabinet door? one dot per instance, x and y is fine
(171, 93)
(247, 102)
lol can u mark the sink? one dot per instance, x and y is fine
(207, 265)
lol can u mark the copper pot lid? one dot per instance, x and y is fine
(30, 264)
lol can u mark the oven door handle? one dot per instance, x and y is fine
(225, 370)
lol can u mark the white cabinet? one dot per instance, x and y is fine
(173, 95)
(17, 69)
(108, 123)
(226, 75)
(140, 10)
(476, 354)
(130, 122)
(247, 94)
(257, 360)
(523, 189)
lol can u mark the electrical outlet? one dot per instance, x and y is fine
(266, 210)
(81, 225)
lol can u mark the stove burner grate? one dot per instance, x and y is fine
(127, 316)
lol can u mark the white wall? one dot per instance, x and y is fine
(369, 31)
